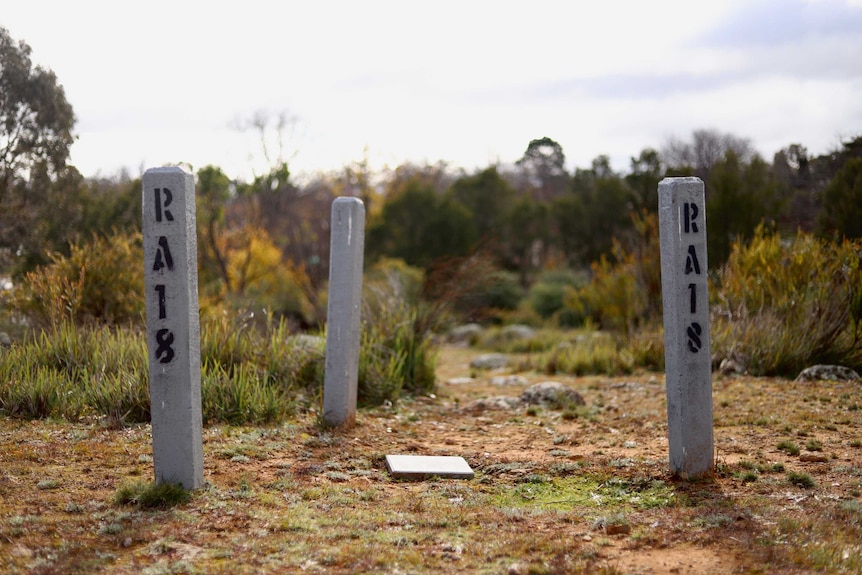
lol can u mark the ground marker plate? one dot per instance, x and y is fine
(419, 466)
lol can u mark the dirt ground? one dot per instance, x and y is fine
(555, 491)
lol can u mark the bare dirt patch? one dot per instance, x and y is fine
(556, 491)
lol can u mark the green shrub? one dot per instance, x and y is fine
(624, 292)
(100, 281)
(547, 295)
(784, 305)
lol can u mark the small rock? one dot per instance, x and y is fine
(730, 366)
(307, 341)
(464, 334)
(503, 380)
(618, 529)
(21, 551)
(551, 393)
(490, 361)
(461, 380)
(827, 373)
(813, 458)
(517, 568)
(127, 542)
(517, 331)
(5, 340)
(499, 402)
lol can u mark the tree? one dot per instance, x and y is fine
(543, 165)
(420, 226)
(646, 171)
(213, 193)
(841, 213)
(742, 196)
(488, 197)
(606, 204)
(36, 125)
(706, 148)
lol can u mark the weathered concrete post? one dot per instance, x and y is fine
(682, 223)
(347, 242)
(173, 325)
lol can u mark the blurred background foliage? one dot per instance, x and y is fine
(527, 243)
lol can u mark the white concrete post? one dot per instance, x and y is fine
(173, 325)
(347, 242)
(682, 223)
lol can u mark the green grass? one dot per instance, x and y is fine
(152, 495)
(249, 374)
(577, 491)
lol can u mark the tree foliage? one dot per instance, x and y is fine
(841, 214)
(36, 125)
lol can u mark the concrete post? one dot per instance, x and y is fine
(347, 242)
(173, 325)
(682, 223)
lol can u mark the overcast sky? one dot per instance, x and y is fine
(469, 82)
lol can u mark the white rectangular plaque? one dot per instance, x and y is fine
(419, 466)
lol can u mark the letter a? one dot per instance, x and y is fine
(691, 263)
(163, 256)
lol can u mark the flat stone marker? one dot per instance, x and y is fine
(419, 466)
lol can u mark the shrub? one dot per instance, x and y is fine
(783, 305)
(625, 289)
(395, 355)
(100, 281)
(547, 296)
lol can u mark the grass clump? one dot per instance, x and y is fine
(597, 353)
(789, 447)
(800, 479)
(152, 495)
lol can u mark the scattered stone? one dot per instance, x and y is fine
(517, 331)
(552, 394)
(827, 373)
(490, 361)
(518, 568)
(729, 366)
(464, 334)
(618, 529)
(306, 341)
(500, 402)
(813, 458)
(461, 381)
(5, 340)
(504, 380)
(22, 552)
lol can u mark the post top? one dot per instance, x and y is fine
(348, 200)
(168, 170)
(681, 180)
